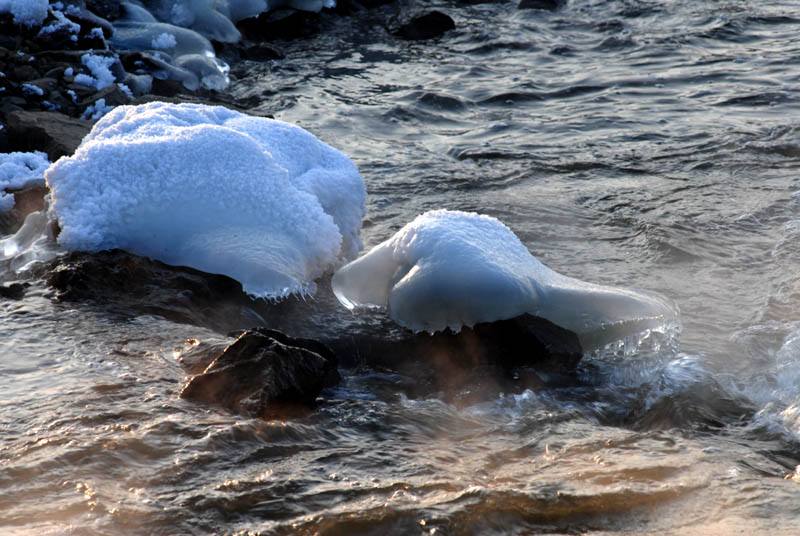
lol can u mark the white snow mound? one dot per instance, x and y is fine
(448, 269)
(259, 200)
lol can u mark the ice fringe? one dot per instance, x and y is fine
(449, 269)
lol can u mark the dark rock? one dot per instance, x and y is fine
(503, 356)
(285, 24)
(45, 84)
(107, 9)
(265, 373)
(24, 72)
(506, 356)
(120, 280)
(112, 95)
(13, 291)
(88, 21)
(52, 132)
(422, 26)
(167, 88)
(261, 53)
(81, 91)
(547, 5)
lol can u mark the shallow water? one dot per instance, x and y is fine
(650, 145)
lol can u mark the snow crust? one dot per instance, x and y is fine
(27, 12)
(256, 199)
(448, 269)
(19, 170)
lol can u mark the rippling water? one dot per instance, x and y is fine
(643, 144)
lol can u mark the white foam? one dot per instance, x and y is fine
(27, 12)
(256, 199)
(449, 269)
(20, 170)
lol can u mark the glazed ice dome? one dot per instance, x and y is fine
(259, 200)
(448, 269)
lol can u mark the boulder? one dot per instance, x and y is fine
(283, 24)
(265, 373)
(121, 281)
(418, 26)
(52, 132)
(546, 5)
(13, 291)
(475, 364)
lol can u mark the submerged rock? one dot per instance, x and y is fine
(472, 365)
(265, 373)
(478, 363)
(419, 26)
(546, 5)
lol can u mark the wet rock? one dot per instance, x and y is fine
(477, 363)
(132, 284)
(547, 5)
(504, 356)
(283, 24)
(26, 200)
(54, 133)
(419, 26)
(167, 88)
(13, 291)
(265, 373)
(261, 53)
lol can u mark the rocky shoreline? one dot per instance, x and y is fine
(289, 351)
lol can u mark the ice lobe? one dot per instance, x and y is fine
(256, 199)
(448, 269)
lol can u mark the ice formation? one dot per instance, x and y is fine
(259, 200)
(448, 269)
(19, 170)
(177, 34)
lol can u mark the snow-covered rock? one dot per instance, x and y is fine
(259, 200)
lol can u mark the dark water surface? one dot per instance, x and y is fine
(652, 145)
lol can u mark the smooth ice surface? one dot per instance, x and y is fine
(176, 34)
(448, 269)
(18, 170)
(27, 12)
(259, 200)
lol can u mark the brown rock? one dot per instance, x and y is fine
(265, 373)
(52, 132)
(112, 94)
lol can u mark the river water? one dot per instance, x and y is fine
(643, 144)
